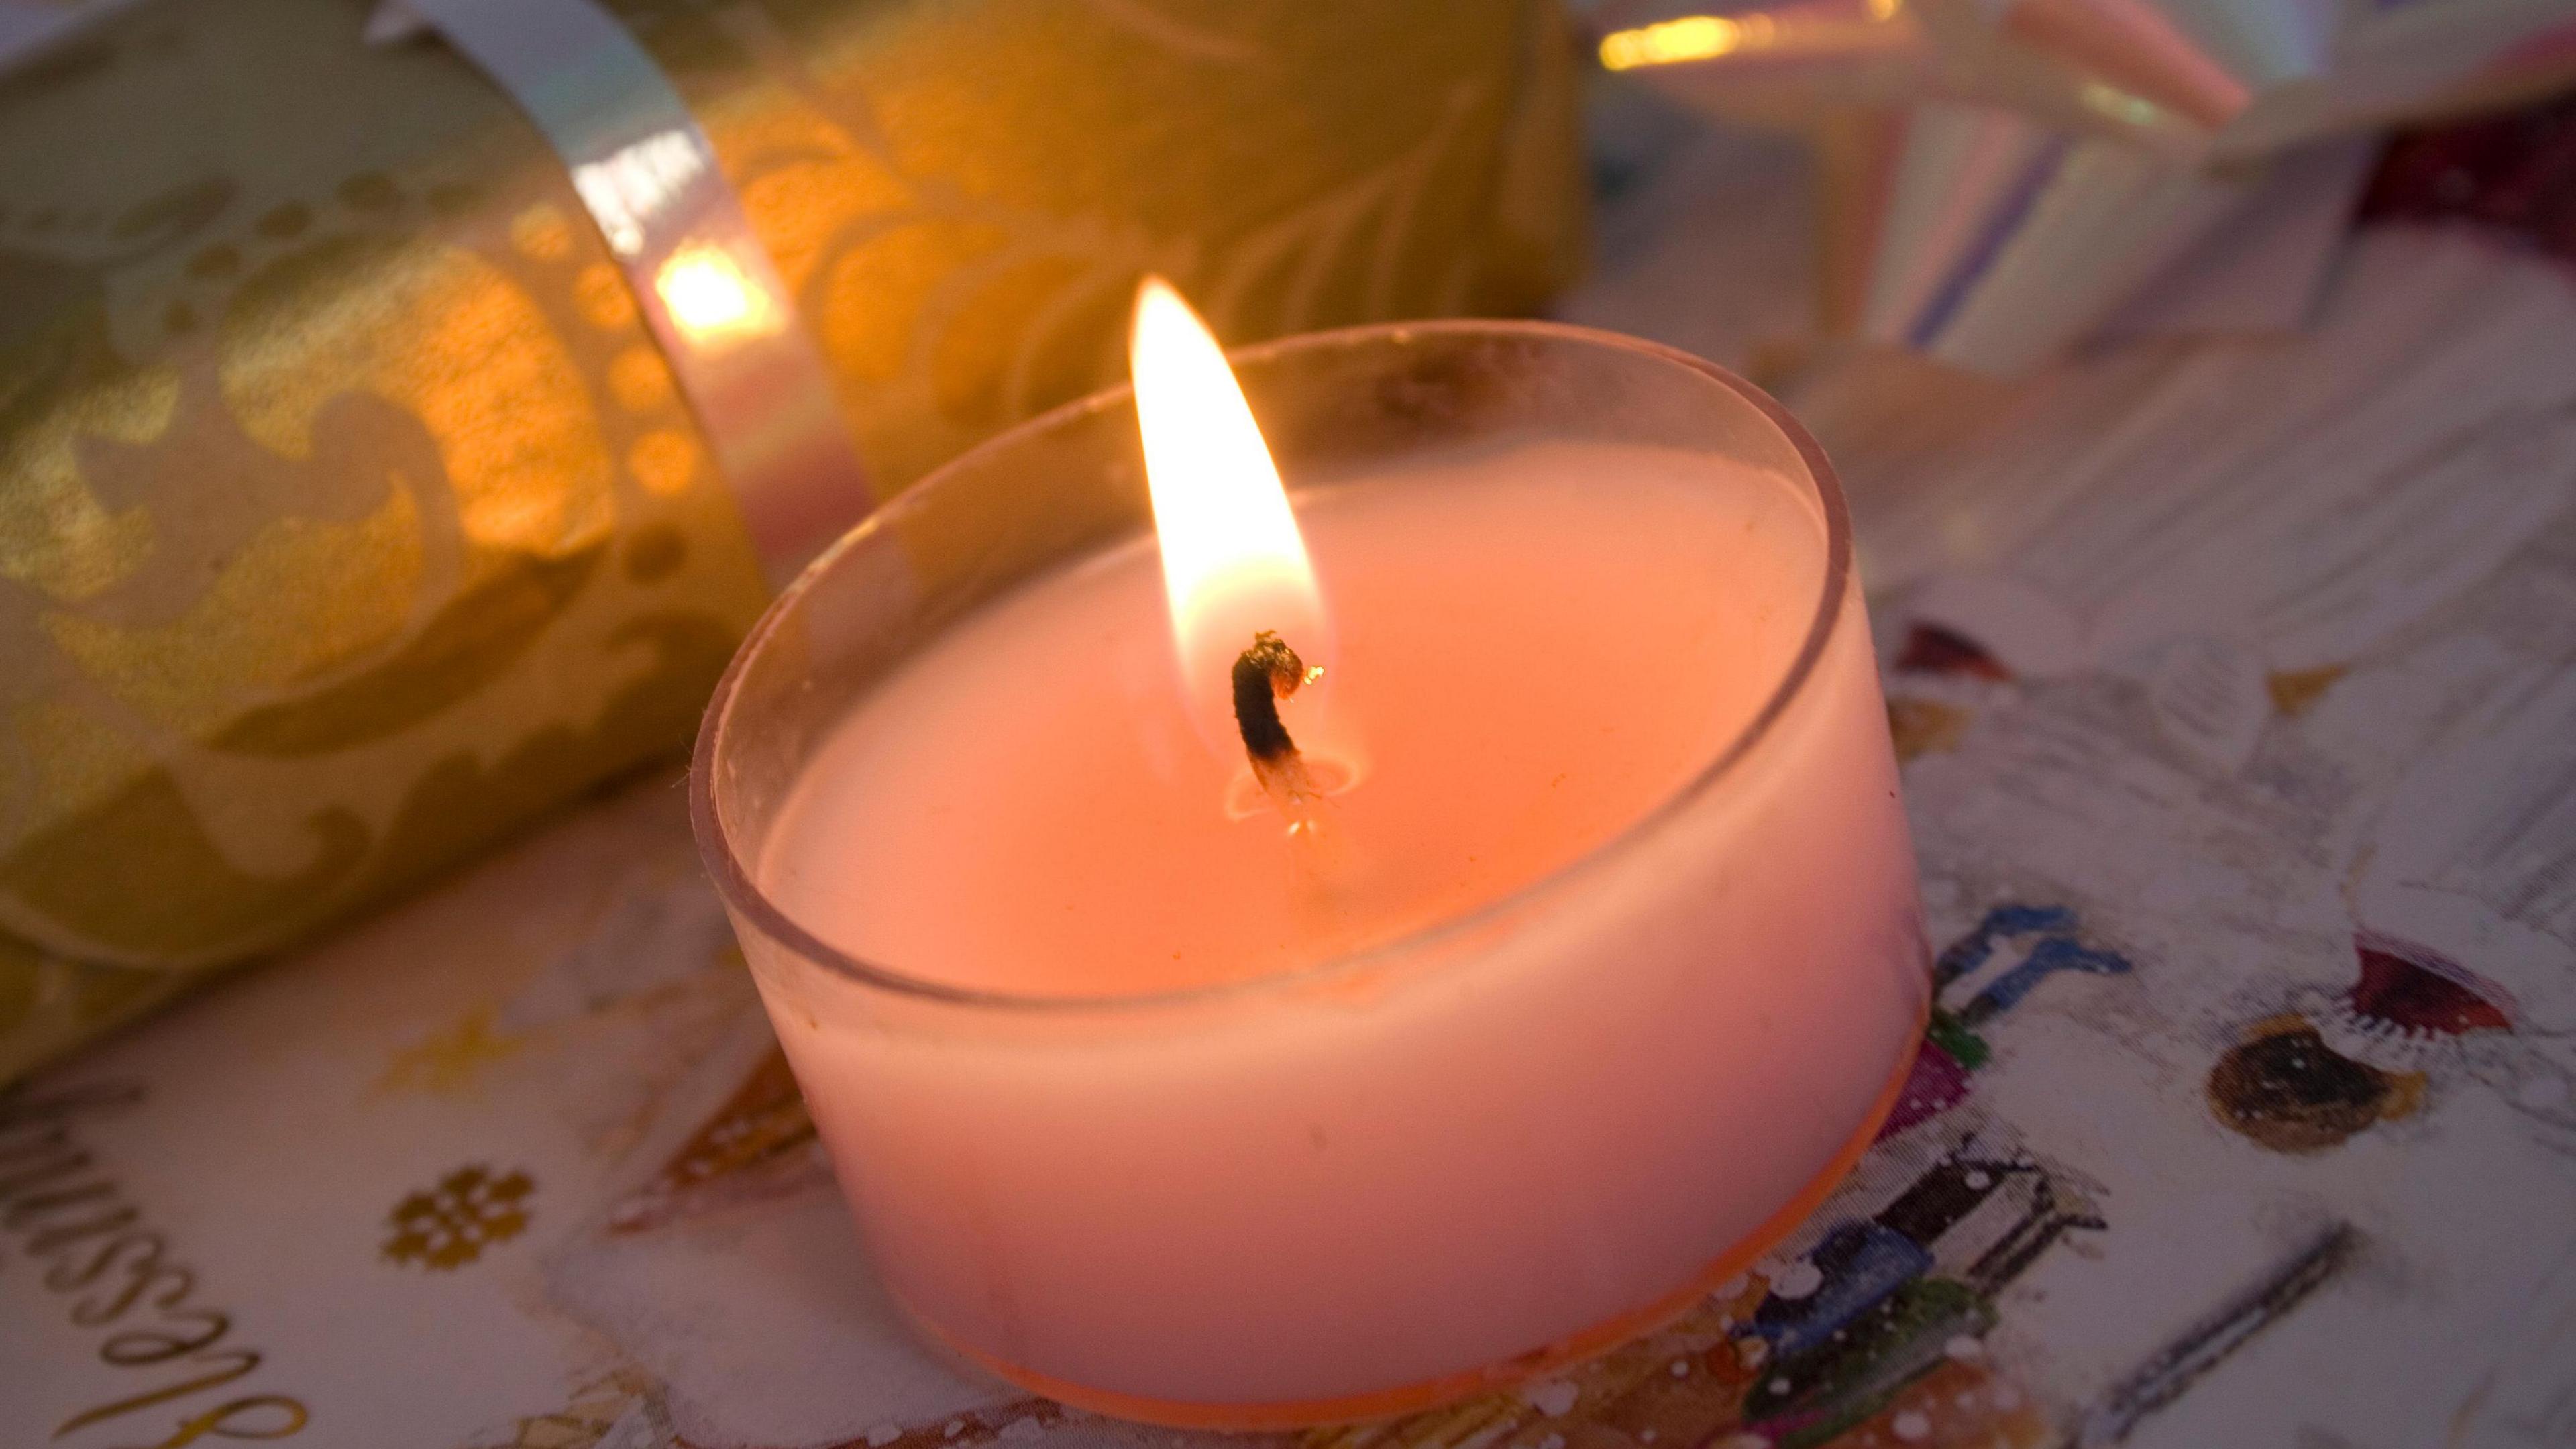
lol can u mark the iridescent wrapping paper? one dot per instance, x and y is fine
(2004, 181)
(349, 516)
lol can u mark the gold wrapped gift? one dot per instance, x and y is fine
(350, 515)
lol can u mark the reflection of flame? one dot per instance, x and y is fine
(1805, 31)
(1233, 563)
(1693, 37)
(710, 297)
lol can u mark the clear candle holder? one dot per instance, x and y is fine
(1426, 1170)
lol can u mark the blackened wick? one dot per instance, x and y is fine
(1265, 674)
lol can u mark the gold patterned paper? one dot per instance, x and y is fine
(348, 516)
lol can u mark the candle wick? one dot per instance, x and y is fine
(1265, 674)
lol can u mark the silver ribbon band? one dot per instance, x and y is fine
(648, 177)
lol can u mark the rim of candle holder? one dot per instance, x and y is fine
(743, 894)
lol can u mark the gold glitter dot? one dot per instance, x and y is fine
(214, 261)
(542, 233)
(600, 292)
(663, 461)
(285, 221)
(654, 553)
(370, 191)
(638, 380)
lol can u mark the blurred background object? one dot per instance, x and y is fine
(2000, 182)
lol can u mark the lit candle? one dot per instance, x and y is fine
(1234, 1045)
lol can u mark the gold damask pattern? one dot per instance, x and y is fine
(348, 517)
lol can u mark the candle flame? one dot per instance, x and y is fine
(1234, 564)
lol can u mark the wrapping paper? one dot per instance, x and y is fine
(2006, 182)
(2246, 1118)
(350, 517)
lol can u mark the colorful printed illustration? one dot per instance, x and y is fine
(1874, 1332)
(1882, 1300)
(2467, 952)
(1933, 685)
(759, 1142)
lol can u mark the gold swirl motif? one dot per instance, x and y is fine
(467, 643)
(444, 335)
(670, 662)
(998, 193)
(525, 502)
(63, 387)
(79, 873)
(57, 390)
(359, 578)
(433, 377)
(83, 873)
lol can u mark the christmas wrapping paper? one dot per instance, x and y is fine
(2232, 684)
(348, 515)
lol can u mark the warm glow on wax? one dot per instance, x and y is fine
(1233, 563)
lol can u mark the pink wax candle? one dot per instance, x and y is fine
(1592, 967)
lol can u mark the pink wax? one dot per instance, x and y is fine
(1466, 1146)
(1528, 663)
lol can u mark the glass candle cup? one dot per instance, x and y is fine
(1410, 1172)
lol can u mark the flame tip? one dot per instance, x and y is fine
(1233, 560)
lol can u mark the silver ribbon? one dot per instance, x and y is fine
(648, 177)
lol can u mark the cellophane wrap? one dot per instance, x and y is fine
(350, 516)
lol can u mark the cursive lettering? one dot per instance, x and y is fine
(88, 1244)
